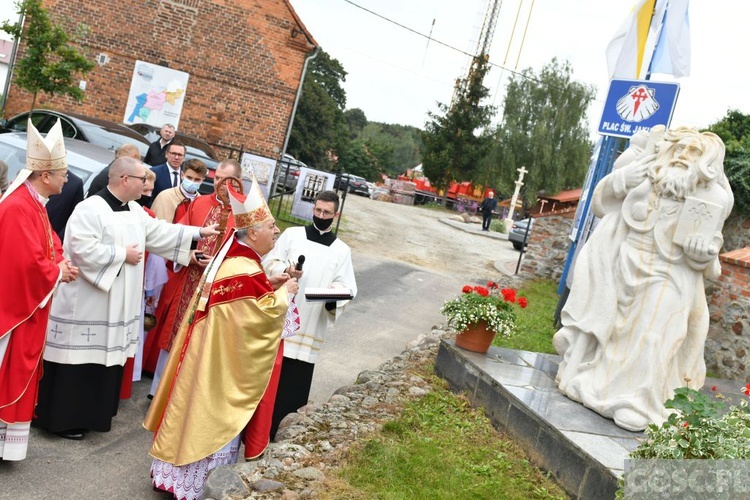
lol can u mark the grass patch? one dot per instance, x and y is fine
(439, 448)
(534, 325)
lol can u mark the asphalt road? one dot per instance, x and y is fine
(395, 304)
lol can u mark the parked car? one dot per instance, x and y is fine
(195, 147)
(287, 175)
(352, 183)
(517, 232)
(84, 159)
(104, 133)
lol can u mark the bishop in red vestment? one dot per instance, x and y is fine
(34, 267)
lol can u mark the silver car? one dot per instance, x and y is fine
(84, 159)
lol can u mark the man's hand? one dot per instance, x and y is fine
(203, 262)
(211, 230)
(69, 271)
(132, 255)
(291, 285)
(278, 281)
(292, 272)
(698, 248)
(635, 173)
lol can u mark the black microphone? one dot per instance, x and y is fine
(300, 261)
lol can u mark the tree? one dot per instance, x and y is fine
(455, 139)
(543, 129)
(51, 63)
(734, 130)
(319, 133)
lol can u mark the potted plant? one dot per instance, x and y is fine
(480, 313)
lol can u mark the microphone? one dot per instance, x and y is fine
(300, 261)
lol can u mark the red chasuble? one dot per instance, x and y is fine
(179, 289)
(31, 251)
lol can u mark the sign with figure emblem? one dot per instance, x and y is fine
(634, 105)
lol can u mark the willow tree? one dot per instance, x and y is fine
(544, 129)
(51, 63)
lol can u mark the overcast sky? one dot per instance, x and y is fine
(396, 76)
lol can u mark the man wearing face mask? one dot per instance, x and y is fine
(175, 296)
(327, 264)
(172, 204)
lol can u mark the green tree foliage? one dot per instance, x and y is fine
(51, 63)
(544, 130)
(455, 138)
(734, 130)
(356, 121)
(320, 132)
(396, 146)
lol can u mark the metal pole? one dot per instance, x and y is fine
(11, 65)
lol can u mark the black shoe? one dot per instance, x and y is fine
(74, 434)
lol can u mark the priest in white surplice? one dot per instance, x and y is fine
(327, 264)
(93, 326)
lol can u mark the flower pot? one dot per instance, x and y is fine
(475, 338)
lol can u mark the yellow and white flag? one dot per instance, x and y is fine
(654, 38)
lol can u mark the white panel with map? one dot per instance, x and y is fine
(156, 95)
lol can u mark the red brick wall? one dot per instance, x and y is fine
(243, 61)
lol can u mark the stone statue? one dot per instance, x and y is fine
(636, 319)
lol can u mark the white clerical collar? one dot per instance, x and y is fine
(122, 203)
(35, 194)
(323, 232)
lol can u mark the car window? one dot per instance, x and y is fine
(14, 157)
(112, 140)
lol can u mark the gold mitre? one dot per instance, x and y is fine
(251, 209)
(45, 153)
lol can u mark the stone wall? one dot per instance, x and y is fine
(728, 344)
(244, 58)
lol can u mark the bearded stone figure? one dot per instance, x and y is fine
(636, 319)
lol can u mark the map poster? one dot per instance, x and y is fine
(156, 95)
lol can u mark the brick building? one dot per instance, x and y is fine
(245, 59)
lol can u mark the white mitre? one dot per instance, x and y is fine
(250, 211)
(42, 154)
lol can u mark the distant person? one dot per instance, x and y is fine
(102, 178)
(489, 205)
(172, 203)
(327, 264)
(156, 154)
(60, 206)
(34, 267)
(3, 176)
(94, 321)
(168, 174)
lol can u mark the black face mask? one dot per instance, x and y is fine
(144, 201)
(322, 224)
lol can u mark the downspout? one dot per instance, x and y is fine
(11, 65)
(309, 58)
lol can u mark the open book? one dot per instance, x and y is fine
(328, 294)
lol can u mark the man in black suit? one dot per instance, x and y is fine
(168, 174)
(156, 154)
(60, 206)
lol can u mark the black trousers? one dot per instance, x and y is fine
(294, 390)
(486, 219)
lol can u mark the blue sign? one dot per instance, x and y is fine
(634, 105)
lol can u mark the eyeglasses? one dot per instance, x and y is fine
(175, 154)
(52, 172)
(323, 213)
(135, 176)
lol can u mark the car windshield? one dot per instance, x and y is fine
(15, 158)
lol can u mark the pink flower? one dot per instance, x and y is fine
(509, 295)
(482, 291)
(467, 289)
(523, 302)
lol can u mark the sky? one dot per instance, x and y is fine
(396, 75)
